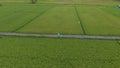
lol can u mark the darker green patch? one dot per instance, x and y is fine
(34, 1)
(1, 5)
(0, 37)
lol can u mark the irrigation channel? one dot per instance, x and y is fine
(60, 36)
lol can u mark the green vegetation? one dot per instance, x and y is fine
(58, 53)
(95, 2)
(13, 17)
(98, 21)
(33, 1)
(53, 18)
(98, 17)
(60, 19)
(0, 4)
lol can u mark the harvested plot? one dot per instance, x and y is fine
(61, 19)
(58, 53)
(98, 22)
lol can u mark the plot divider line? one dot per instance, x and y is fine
(80, 21)
(32, 19)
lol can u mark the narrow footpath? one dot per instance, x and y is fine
(61, 36)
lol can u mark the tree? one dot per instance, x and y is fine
(33, 1)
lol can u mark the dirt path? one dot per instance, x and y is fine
(60, 36)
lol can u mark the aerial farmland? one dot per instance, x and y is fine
(59, 34)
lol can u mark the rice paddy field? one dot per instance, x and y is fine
(30, 52)
(60, 18)
(73, 17)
